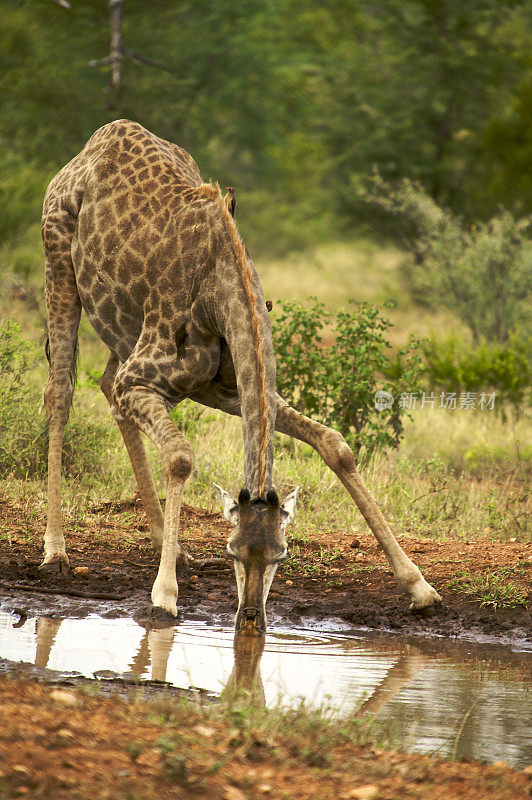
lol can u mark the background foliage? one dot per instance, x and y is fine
(23, 430)
(291, 101)
(336, 383)
(483, 271)
(299, 104)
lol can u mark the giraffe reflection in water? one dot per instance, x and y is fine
(157, 642)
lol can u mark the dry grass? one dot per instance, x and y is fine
(455, 473)
(335, 273)
(417, 492)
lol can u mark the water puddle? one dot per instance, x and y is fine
(451, 698)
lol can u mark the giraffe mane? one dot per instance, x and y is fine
(251, 296)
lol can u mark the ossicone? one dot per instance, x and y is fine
(272, 498)
(244, 497)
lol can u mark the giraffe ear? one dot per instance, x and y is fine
(287, 508)
(229, 505)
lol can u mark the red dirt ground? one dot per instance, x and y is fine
(330, 577)
(71, 745)
(58, 744)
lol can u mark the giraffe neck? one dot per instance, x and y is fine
(247, 328)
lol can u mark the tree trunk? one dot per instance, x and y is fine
(116, 54)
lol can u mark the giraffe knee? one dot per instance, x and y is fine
(179, 465)
(338, 454)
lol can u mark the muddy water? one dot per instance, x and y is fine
(446, 697)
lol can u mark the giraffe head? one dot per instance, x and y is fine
(257, 544)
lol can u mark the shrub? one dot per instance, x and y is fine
(481, 272)
(483, 458)
(503, 368)
(23, 430)
(336, 384)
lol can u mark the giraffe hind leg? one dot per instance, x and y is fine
(137, 455)
(63, 308)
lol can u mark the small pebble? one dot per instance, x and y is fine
(366, 792)
(64, 697)
(232, 793)
(205, 731)
(289, 583)
(265, 788)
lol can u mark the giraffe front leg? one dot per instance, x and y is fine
(164, 591)
(334, 450)
(146, 409)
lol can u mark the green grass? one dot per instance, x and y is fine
(456, 473)
(495, 589)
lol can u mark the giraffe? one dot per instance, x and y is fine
(134, 236)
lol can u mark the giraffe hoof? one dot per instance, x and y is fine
(164, 597)
(56, 565)
(426, 612)
(424, 597)
(428, 605)
(160, 617)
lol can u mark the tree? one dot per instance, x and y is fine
(506, 146)
(411, 89)
(290, 101)
(481, 271)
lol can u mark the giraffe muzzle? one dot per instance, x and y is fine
(250, 621)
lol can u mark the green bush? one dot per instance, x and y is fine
(23, 430)
(483, 458)
(501, 368)
(336, 383)
(482, 272)
(22, 186)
